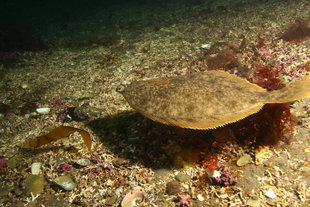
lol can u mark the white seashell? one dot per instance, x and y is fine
(24, 86)
(200, 198)
(83, 162)
(36, 168)
(207, 46)
(244, 160)
(270, 194)
(134, 195)
(216, 174)
(43, 110)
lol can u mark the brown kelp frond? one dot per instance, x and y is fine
(56, 134)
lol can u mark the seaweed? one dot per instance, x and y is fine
(274, 122)
(267, 78)
(297, 31)
(226, 178)
(225, 59)
(56, 134)
(210, 162)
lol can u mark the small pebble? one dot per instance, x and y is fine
(173, 187)
(43, 110)
(24, 86)
(182, 177)
(36, 168)
(244, 160)
(200, 198)
(216, 174)
(118, 192)
(207, 46)
(270, 194)
(66, 182)
(83, 162)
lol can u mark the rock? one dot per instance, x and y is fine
(34, 184)
(36, 168)
(173, 187)
(83, 162)
(182, 177)
(244, 160)
(66, 182)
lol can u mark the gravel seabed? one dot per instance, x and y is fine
(128, 149)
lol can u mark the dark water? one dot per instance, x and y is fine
(49, 20)
(43, 23)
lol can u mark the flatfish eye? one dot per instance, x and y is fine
(120, 88)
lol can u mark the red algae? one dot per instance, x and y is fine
(267, 78)
(226, 59)
(297, 32)
(210, 162)
(274, 122)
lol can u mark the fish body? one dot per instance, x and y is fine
(205, 100)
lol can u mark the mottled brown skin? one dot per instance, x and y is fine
(204, 100)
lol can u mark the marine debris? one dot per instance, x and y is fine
(56, 134)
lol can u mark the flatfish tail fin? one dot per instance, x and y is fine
(292, 92)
